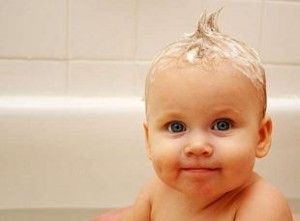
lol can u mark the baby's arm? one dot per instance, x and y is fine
(263, 203)
(141, 210)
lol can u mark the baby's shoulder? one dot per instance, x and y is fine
(262, 201)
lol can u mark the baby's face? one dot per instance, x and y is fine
(203, 129)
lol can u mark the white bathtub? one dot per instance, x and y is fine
(77, 153)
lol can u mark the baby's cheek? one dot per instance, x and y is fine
(165, 152)
(239, 160)
(166, 170)
(164, 162)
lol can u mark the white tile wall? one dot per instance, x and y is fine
(100, 31)
(142, 69)
(33, 29)
(281, 32)
(161, 22)
(91, 78)
(241, 19)
(29, 78)
(283, 80)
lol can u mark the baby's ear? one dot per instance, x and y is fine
(148, 147)
(264, 142)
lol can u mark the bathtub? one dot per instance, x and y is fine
(76, 157)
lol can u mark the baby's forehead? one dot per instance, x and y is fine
(222, 76)
(194, 89)
(196, 83)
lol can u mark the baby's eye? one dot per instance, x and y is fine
(176, 127)
(222, 125)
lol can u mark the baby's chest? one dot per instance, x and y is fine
(176, 216)
(177, 213)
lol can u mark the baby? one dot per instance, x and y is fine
(205, 124)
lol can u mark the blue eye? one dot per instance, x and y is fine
(176, 127)
(222, 125)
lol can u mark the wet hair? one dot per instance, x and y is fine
(206, 47)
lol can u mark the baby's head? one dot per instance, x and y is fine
(205, 109)
(209, 49)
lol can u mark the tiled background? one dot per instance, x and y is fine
(79, 47)
(102, 48)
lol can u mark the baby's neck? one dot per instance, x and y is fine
(199, 204)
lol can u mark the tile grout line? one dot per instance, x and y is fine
(92, 60)
(68, 75)
(262, 13)
(136, 14)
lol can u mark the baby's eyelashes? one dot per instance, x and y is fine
(176, 127)
(222, 125)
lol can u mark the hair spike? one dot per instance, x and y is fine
(212, 21)
(200, 32)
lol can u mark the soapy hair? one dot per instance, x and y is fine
(206, 47)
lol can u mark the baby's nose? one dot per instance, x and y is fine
(198, 145)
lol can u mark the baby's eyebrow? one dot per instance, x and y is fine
(169, 115)
(228, 110)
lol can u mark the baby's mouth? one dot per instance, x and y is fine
(200, 170)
